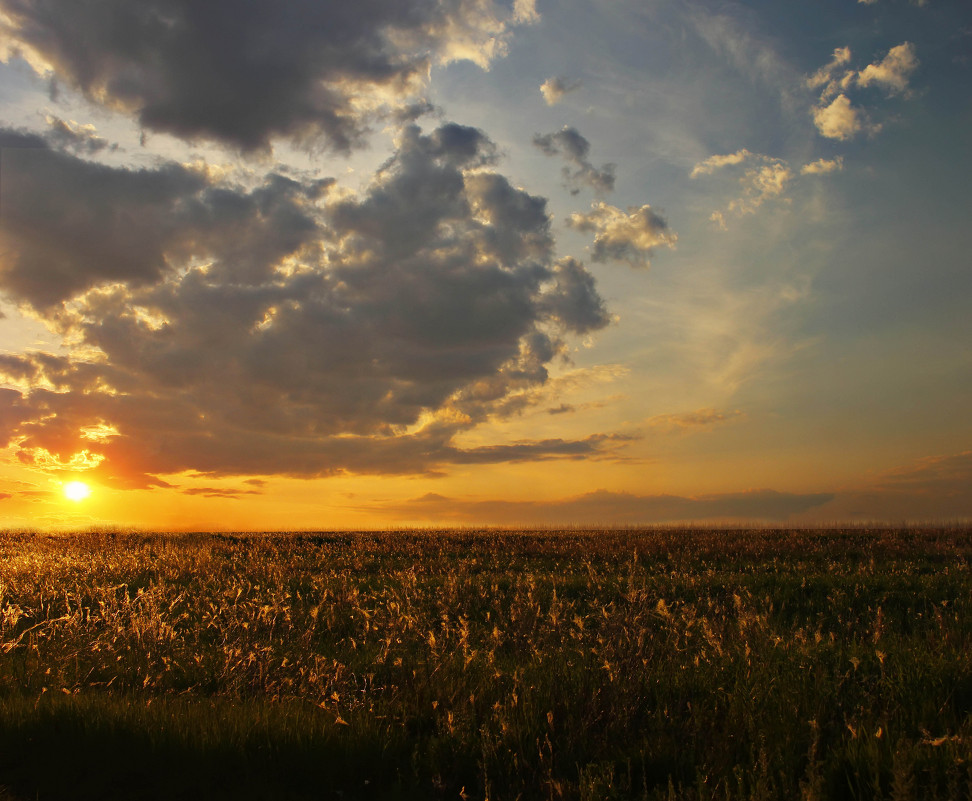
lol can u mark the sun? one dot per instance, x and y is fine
(76, 491)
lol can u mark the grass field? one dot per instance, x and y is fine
(675, 664)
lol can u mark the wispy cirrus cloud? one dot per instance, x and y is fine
(700, 419)
(219, 492)
(764, 178)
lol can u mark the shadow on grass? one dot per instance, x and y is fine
(106, 748)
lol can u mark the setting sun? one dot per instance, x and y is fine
(76, 491)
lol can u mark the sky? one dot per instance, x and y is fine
(317, 265)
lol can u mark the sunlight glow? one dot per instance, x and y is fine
(76, 491)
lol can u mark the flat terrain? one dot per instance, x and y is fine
(657, 664)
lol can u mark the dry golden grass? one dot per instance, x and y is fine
(428, 664)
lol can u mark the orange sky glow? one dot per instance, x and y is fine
(485, 263)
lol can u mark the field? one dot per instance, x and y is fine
(656, 664)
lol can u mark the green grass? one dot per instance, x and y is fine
(681, 664)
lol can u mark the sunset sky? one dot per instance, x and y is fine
(304, 264)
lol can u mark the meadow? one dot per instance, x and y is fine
(616, 664)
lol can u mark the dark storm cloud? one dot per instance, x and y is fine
(324, 335)
(615, 508)
(11, 139)
(70, 224)
(246, 73)
(574, 148)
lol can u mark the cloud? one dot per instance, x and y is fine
(13, 412)
(574, 148)
(931, 488)
(71, 135)
(219, 492)
(833, 77)
(699, 419)
(949, 475)
(279, 327)
(543, 450)
(839, 120)
(630, 237)
(574, 301)
(765, 178)
(834, 114)
(713, 163)
(71, 224)
(822, 166)
(246, 74)
(729, 32)
(554, 89)
(893, 71)
(603, 507)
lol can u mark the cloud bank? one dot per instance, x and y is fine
(244, 74)
(282, 327)
(604, 507)
(934, 488)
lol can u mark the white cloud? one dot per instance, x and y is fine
(822, 166)
(893, 71)
(834, 115)
(713, 163)
(839, 119)
(833, 76)
(767, 179)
